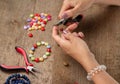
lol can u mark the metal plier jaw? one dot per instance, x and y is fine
(28, 68)
(65, 21)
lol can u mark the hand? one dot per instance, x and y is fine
(71, 7)
(75, 47)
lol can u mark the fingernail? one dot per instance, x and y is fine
(66, 31)
(65, 15)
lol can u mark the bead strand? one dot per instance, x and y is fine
(95, 71)
(42, 58)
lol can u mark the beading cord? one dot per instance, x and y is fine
(95, 70)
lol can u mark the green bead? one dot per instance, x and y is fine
(31, 15)
(32, 58)
(38, 43)
(47, 54)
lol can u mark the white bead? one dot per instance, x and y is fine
(45, 57)
(95, 71)
(42, 42)
(30, 55)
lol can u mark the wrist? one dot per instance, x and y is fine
(89, 62)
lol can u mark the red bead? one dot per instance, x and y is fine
(41, 20)
(30, 35)
(37, 60)
(37, 25)
(42, 29)
(48, 50)
(36, 14)
(31, 24)
(49, 16)
(44, 22)
(35, 46)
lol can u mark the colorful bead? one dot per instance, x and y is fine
(30, 35)
(48, 46)
(31, 52)
(32, 58)
(31, 15)
(66, 64)
(47, 54)
(41, 59)
(38, 43)
(42, 29)
(29, 20)
(33, 49)
(37, 60)
(30, 55)
(48, 50)
(25, 27)
(42, 42)
(45, 57)
(35, 46)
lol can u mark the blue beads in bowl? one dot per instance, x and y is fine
(17, 79)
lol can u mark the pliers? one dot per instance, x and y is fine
(66, 21)
(28, 68)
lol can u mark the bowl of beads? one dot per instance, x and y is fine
(17, 79)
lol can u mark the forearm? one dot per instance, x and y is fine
(108, 2)
(100, 78)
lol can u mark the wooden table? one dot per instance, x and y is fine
(101, 26)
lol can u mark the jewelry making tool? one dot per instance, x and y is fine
(28, 68)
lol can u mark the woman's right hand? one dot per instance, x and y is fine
(76, 47)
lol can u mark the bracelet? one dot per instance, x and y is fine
(42, 58)
(95, 71)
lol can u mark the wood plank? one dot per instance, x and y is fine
(100, 25)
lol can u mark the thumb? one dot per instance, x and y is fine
(70, 12)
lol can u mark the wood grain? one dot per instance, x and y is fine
(101, 26)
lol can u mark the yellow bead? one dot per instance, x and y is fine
(46, 44)
(39, 22)
(31, 52)
(31, 15)
(38, 18)
(46, 20)
(41, 59)
(39, 27)
(46, 15)
(33, 28)
(30, 29)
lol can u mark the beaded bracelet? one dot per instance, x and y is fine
(95, 71)
(45, 56)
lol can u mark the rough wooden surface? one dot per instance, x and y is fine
(101, 26)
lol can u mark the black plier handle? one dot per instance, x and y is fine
(65, 21)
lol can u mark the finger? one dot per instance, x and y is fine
(71, 12)
(65, 6)
(81, 34)
(75, 34)
(72, 27)
(56, 36)
(69, 36)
